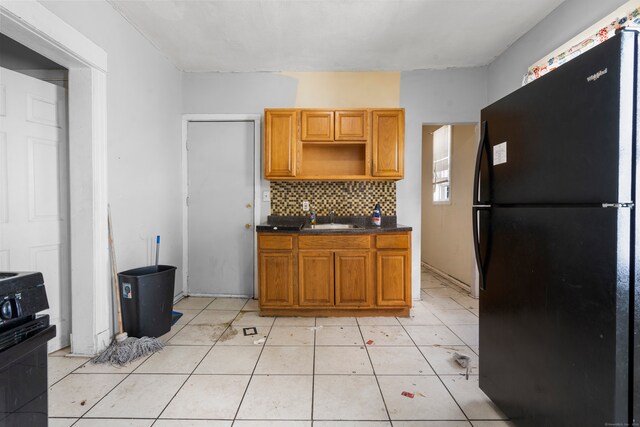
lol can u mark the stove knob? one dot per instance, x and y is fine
(6, 311)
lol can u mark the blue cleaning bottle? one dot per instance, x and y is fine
(376, 219)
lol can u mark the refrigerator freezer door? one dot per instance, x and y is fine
(567, 137)
(555, 315)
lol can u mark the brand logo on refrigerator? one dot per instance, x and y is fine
(596, 76)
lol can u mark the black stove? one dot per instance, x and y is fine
(23, 349)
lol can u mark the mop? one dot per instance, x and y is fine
(124, 349)
(175, 315)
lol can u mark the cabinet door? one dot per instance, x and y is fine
(393, 274)
(388, 143)
(315, 284)
(317, 125)
(276, 279)
(280, 143)
(353, 278)
(351, 125)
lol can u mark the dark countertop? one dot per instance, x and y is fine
(300, 224)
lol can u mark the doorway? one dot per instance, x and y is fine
(32, 25)
(221, 211)
(34, 190)
(448, 163)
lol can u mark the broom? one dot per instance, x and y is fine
(124, 349)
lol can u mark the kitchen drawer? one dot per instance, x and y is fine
(392, 241)
(275, 242)
(334, 242)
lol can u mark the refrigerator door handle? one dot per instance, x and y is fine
(481, 240)
(482, 175)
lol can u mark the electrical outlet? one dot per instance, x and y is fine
(266, 196)
(305, 206)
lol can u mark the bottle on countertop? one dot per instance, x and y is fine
(312, 216)
(376, 219)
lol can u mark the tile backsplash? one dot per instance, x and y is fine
(349, 198)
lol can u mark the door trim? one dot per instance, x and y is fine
(257, 186)
(37, 28)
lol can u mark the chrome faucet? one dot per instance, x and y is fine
(332, 216)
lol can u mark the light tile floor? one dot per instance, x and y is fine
(295, 372)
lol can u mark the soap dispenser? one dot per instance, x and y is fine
(312, 216)
(376, 219)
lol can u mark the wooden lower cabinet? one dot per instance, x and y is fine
(276, 278)
(353, 279)
(327, 279)
(315, 279)
(341, 275)
(392, 272)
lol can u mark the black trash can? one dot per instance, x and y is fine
(146, 297)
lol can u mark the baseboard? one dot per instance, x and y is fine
(445, 276)
(217, 295)
(178, 297)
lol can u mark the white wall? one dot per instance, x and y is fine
(238, 93)
(566, 21)
(144, 134)
(145, 95)
(436, 96)
(442, 96)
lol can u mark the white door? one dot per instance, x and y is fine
(34, 201)
(220, 208)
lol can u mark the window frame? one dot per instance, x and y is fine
(438, 182)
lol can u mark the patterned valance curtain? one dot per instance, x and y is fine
(628, 14)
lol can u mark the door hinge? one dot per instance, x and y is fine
(187, 200)
(186, 144)
(617, 205)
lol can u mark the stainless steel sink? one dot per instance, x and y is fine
(333, 226)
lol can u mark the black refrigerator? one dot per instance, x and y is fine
(557, 246)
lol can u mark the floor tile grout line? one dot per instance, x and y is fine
(74, 371)
(451, 330)
(110, 390)
(206, 354)
(67, 374)
(264, 344)
(455, 324)
(373, 368)
(102, 398)
(438, 375)
(127, 375)
(135, 371)
(189, 375)
(418, 348)
(194, 369)
(313, 367)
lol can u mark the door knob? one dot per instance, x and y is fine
(247, 226)
(249, 205)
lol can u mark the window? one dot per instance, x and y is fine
(442, 165)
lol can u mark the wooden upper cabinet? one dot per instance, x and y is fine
(351, 125)
(334, 145)
(316, 125)
(280, 143)
(388, 143)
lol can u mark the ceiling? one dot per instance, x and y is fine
(332, 35)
